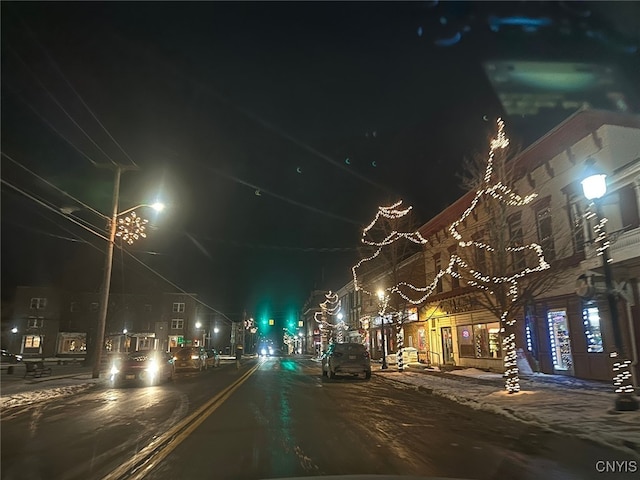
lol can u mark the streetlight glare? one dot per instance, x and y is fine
(594, 186)
(198, 324)
(381, 294)
(158, 206)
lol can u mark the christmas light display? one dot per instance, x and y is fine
(131, 228)
(496, 190)
(330, 307)
(391, 212)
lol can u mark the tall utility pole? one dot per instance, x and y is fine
(108, 262)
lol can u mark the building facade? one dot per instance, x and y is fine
(46, 321)
(558, 331)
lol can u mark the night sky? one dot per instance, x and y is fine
(271, 130)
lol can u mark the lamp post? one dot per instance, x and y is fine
(129, 233)
(594, 186)
(384, 299)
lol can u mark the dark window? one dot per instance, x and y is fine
(437, 266)
(545, 233)
(516, 240)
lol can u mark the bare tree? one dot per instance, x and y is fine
(492, 252)
(392, 254)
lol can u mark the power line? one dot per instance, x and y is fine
(238, 244)
(50, 125)
(59, 70)
(88, 207)
(49, 207)
(259, 191)
(55, 100)
(176, 286)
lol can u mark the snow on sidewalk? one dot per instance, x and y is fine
(585, 413)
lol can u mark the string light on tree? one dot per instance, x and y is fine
(329, 308)
(131, 228)
(496, 190)
(391, 212)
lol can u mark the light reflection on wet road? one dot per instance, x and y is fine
(286, 420)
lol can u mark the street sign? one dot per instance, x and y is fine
(180, 340)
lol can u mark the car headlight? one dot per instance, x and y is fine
(263, 351)
(194, 357)
(153, 367)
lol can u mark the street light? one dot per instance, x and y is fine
(383, 306)
(594, 186)
(133, 230)
(199, 326)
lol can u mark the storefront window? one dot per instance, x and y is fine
(465, 341)
(559, 337)
(480, 341)
(591, 322)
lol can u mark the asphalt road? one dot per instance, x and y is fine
(278, 418)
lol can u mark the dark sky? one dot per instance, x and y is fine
(216, 102)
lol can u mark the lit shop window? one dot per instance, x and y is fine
(483, 343)
(591, 322)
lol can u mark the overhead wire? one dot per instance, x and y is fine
(51, 126)
(55, 187)
(53, 209)
(260, 190)
(57, 102)
(70, 85)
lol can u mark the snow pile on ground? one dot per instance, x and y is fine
(43, 394)
(581, 412)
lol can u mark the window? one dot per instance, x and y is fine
(516, 240)
(144, 343)
(38, 303)
(545, 233)
(480, 341)
(576, 217)
(177, 324)
(437, 266)
(455, 281)
(94, 306)
(32, 341)
(591, 322)
(73, 307)
(35, 322)
(147, 307)
(480, 256)
(178, 307)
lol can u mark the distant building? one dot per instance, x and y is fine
(51, 322)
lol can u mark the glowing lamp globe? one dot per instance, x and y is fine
(594, 186)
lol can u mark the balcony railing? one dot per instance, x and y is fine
(624, 246)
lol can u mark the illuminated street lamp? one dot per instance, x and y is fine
(132, 230)
(384, 299)
(594, 186)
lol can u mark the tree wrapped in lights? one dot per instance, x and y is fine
(392, 253)
(491, 253)
(131, 228)
(329, 308)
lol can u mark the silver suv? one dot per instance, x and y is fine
(351, 358)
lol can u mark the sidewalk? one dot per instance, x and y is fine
(69, 379)
(562, 404)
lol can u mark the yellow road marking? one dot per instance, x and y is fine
(149, 457)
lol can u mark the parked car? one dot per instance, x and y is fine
(144, 367)
(213, 358)
(351, 358)
(190, 358)
(8, 357)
